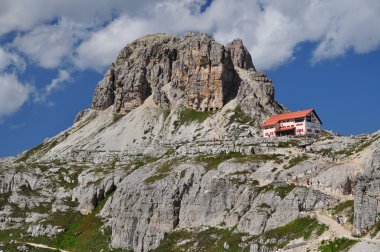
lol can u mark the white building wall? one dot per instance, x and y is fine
(269, 132)
(303, 128)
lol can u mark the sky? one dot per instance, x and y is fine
(321, 54)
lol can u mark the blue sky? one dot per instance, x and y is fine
(320, 54)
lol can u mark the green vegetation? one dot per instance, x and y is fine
(116, 117)
(301, 227)
(364, 143)
(325, 151)
(82, 232)
(264, 206)
(188, 116)
(346, 205)
(209, 240)
(144, 161)
(295, 161)
(43, 147)
(4, 198)
(37, 149)
(283, 191)
(367, 143)
(287, 144)
(240, 117)
(163, 171)
(212, 161)
(336, 245)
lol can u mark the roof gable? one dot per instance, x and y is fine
(287, 116)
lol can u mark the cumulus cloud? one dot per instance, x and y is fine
(271, 30)
(48, 45)
(89, 34)
(18, 15)
(13, 94)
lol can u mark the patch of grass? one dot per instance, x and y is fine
(367, 143)
(27, 191)
(42, 148)
(336, 245)
(237, 173)
(31, 152)
(82, 232)
(240, 117)
(325, 151)
(183, 173)
(338, 209)
(4, 198)
(301, 227)
(188, 116)
(295, 161)
(358, 147)
(283, 191)
(144, 161)
(163, 171)
(116, 117)
(287, 144)
(212, 161)
(264, 206)
(209, 240)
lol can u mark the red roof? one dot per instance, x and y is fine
(287, 116)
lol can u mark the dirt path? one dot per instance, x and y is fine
(37, 245)
(339, 230)
(335, 227)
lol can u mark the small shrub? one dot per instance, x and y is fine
(336, 245)
(301, 227)
(295, 161)
(240, 117)
(283, 191)
(188, 115)
(116, 117)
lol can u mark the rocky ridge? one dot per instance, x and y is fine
(157, 164)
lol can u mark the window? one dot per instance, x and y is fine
(308, 118)
(317, 131)
(309, 130)
(299, 120)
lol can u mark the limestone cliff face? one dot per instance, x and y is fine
(367, 191)
(193, 70)
(165, 168)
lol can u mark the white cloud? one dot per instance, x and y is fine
(9, 59)
(102, 47)
(271, 29)
(18, 15)
(48, 45)
(63, 77)
(13, 94)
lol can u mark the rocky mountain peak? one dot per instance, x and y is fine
(193, 70)
(240, 55)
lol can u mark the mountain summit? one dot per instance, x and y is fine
(169, 157)
(165, 89)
